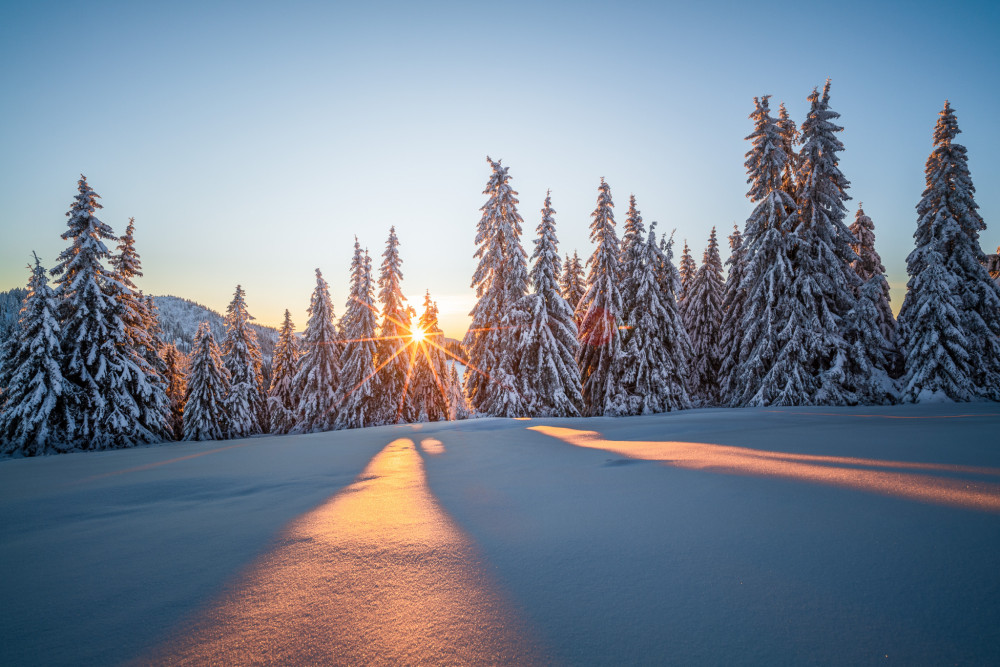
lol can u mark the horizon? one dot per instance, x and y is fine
(255, 166)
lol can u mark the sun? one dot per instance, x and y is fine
(417, 335)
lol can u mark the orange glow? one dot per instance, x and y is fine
(417, 335)
(830, 470)
(379, 574)
(432, 446)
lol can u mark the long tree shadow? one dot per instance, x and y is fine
(870, 475)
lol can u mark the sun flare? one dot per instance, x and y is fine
(417, 335)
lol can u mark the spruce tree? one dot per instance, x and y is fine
(950, 319)
(318, 377)
(653, 364)
(633, 240)
(501, 282)
(34, 387)
(176, 365)
(731, 333)
(824, 286)
(600, 339)
(770, 369)
(874, 289)
(430, 369)
(573, 284)
(457, 404)
(281, 396)
(393, 350)
(110, 404)
(357, 406)
(550, 378)
(704, 325)
(241, 354)
(789, 137)
(687, 271)
(207, 388)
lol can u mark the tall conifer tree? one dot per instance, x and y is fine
(705, 323)
(573, 284)
(34, 387)
(318, 376)
(176, 365)
(356, 402)
(241, 354)
(731, 333)
(501, 282)
(207, 388)
(600, 339)
(282, 398)
(883, 346)
(429, 386)
(950, 319)
(550, 378)
(789, 137)
(687, 271)
(393, 350)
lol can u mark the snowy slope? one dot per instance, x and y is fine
(10, 307)
(753, 536)
(179, 319)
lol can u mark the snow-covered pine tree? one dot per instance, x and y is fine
(357, 406)
(789, 137)
(653, 364)
(550, 378)
(206, 391)
(34, 387)
(573, 284)
(731, 331)
(393, 350)
(704, 325)
(667, 274)
(874, 289)
(633, 238)
(318, 377)
(600, 339)
(501, 282)
(281, 396)
(824, 286)
(457, 404)
(430, 369)
(950, 319)
(110, 403)
(241, 354)
(142, 331)
(687, 271)
(770, 369)
(176, 365)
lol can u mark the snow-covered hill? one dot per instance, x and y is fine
(726, 536)
(180, 318)
(10, 306)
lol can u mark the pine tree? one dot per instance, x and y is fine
(789, 137)
(824, 286)
(207, 388)
(430, 369)
(109, 404)
(241, 354)
(600, 340)
(35, 390)
(881, 343)
(458, 406)
(687, 271)
(770, 369)
(282, 399)
(632, 250)
(550, 378)
(501, 282)
(731, 333)
(176, 365)
(142, 331)
(667, 275)
(704, 324)
(318, 377)
(393, 350)
(950, 319)
(573, 284)
(653, 364)
(357, 405)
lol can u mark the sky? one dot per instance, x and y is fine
(252, 142)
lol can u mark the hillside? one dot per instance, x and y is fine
(179, 320)
(10, 306)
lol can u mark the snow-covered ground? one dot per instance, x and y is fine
(753, 536)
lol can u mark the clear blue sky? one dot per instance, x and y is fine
(252, 142)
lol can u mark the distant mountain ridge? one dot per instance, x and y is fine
(179, 319)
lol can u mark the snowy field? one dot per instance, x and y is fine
(753, 536)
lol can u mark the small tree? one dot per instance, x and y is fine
(207, 388)
(573, 284)
(282, 399)
(319, 369)
(704, 324)
(881, 347)
(688, 270)
(176, 365)
(430, 372)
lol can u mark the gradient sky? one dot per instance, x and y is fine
(252, 142)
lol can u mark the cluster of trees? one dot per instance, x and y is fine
(802, 318)
(86, 367)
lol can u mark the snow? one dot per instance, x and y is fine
(589, 553)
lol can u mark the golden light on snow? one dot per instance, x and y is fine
(871, 475)
(379, 574)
